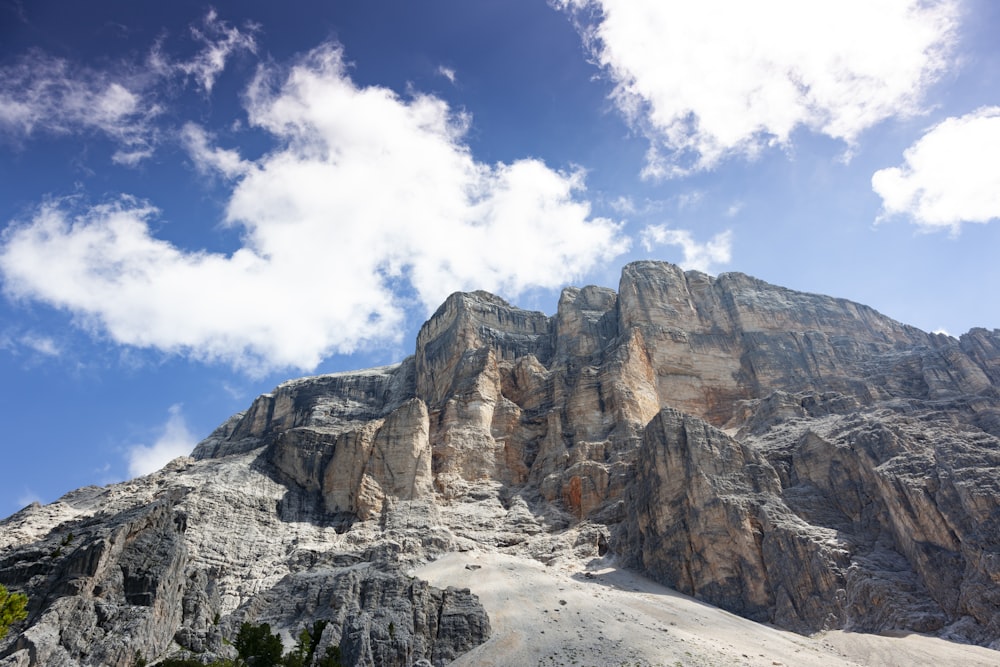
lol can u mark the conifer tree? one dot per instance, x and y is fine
(12, 609)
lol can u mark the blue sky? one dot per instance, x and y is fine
(199, 201)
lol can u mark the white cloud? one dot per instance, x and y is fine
(208, 158)
(697, 256)
(43, 345)
(175, 440)
(40, 93)
(30, 342)
(30, 346)
(623, 205)
(690, 200)
(950, 176)
(447, 72)
(713, 79)
(220, 41)
(734, 209)
(367, 198)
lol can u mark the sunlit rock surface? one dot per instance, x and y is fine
(793, 458)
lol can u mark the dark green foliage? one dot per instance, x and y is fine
(257, 646)
(332, 658)
(298, 656)
(192, 662)
(305, 648)
(12, 609)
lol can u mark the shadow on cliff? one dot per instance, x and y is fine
(299, 504)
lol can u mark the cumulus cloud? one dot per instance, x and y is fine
(370, 204)
(713, 79)
(175, 440)
(697, 256)
(950, 176)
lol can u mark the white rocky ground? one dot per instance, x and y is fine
(588, 613)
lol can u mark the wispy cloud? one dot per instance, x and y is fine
(367, 198)
(447, 72)
(219, 41)
(762, 69)
(174, 440)
(697, 256)
(27, 497)
(32, 343)
(734, 209)
(950, 176)
(41, 93)
(41, 344)
(623, 205)
(208, 158)
(690, 200)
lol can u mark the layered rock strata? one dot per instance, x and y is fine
(795, 458)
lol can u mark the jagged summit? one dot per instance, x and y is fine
(794, 458)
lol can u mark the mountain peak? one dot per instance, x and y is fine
(797, 459)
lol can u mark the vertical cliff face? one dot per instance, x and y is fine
(468, 322)
(795, 458)
(715, 342)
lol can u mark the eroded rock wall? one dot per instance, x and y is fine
(795, 458)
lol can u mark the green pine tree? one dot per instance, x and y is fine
(257, 646)
(13, 608)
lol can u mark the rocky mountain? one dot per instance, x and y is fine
(796, 459)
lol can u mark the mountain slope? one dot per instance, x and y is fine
(793, 458)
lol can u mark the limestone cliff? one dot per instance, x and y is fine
(794, 458)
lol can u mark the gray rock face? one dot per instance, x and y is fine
(794, 458)
(102, 593)
(376, 616)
